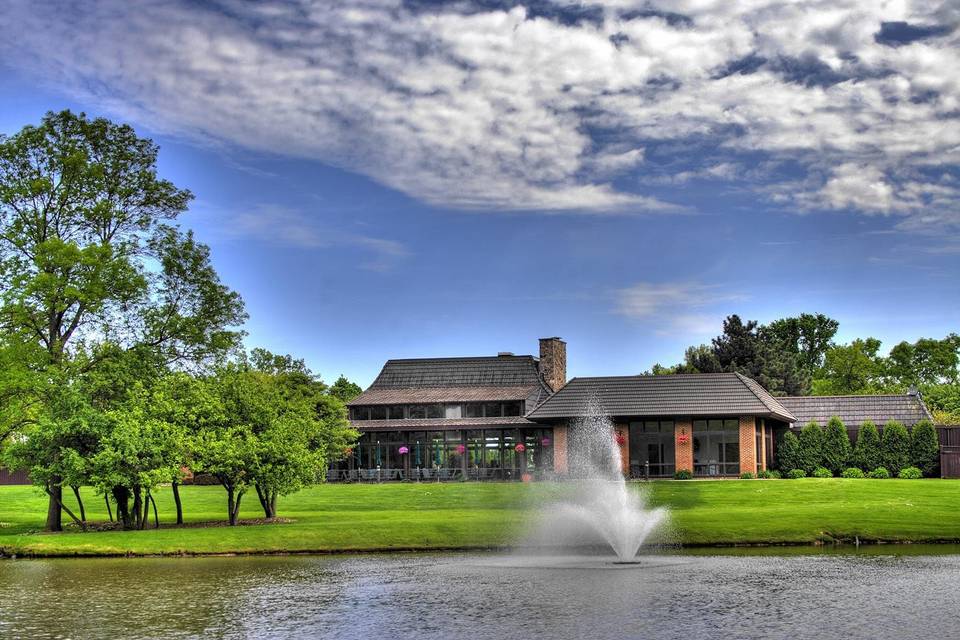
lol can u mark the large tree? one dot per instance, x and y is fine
(89, 256)
(807, 336)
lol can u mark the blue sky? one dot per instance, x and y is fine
(426, 179)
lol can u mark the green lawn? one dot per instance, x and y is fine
(478, 515)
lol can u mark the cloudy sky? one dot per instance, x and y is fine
(382, 178)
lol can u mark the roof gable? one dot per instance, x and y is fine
(855, 410)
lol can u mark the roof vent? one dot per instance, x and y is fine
(504, 354)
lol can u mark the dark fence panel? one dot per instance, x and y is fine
(13, 477)
(949, 452)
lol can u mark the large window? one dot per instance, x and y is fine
(651, 448)
(716, 447)
(433, 411)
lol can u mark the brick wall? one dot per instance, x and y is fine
(623, 433)
(683, 429)
(748, 445)
(560, 450)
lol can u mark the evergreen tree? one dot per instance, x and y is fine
(811, 448)
(924, 447)
(836, 446)
(896, 447)
(788, 452)
(867, 454)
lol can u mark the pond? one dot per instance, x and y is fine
(883, 592)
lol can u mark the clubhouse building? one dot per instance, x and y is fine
(510, 417)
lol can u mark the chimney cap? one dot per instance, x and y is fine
(553, 338)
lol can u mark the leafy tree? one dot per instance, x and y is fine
(807, 336)
(788, 452)
(926, 361)
(924, 447)
(895, 442)
(87, 256)
(850, 369)
(810, 452)
(943, 400)
(344, 390)
(867, 454)
(836, 446)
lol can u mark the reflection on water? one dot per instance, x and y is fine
(883, 593)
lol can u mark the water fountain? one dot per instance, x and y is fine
(598, 505)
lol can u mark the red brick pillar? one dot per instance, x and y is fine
(748, 445)
(683, 444)
(763, 445)
(560, 450)
(622, 434)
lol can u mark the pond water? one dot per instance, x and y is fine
(880, 593)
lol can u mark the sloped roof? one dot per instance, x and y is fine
(505, 377)
(442, 423)
(697, 394)
(854, 410)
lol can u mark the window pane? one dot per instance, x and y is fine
(396, 412)
(417, 411)
(715, 425)
(511, 408)
(451, 411)
(492, 410)
(434, 411)
(473, 410)
(700, 425)
(731, 424)
(378, 413)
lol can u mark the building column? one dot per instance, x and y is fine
(748, 445)
(763, 444)
(560, 449)
(683, 444)
(622, 434)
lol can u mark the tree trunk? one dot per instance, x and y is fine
(63, 507)
(264, 504)
(176, 500)
(235, 514)
(122, 496)
(156, 518)
(268, 500)
(54, 515)
(230, 509)
(83, 512)
(273, 505)
(106, 499)
(137, 508)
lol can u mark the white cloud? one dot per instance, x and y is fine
(501, 109)
(687, 309)
(291, 228)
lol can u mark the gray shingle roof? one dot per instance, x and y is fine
(492, 378)
(698, 394)
(442, 423)
(854, 410)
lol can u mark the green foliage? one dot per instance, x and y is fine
(822, 472)
(867, 454)
(880, 473)
(683, 474)
(943, 401)
(853, 472)
(788, 452)
(774, 474)
(836, 446)
(910, 473)
(344, 390)
(849, 369)
(764, 474)
(747, 475)
(796, 474)
(926, 361)
(895, 443)
(924, 447)
(810, 451)
(807, 336)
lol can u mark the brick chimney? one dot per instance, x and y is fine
(553, 362)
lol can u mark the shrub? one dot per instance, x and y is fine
(764, 474)
(896, 446)
(683, 474)
(910, 473)
(811, 448)
(774, 474)
(924, 447)
(822, 472)
(853, 472)
(746, 475)
(788, 452)
(866, 455)
(880, 473)
(836, 446)
(795, 474)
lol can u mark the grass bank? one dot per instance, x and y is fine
(343, 518)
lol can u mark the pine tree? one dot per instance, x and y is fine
(866, 455)
(787, 452)
(836, 446)
(924, 447)
(896, 447)
(811, 447)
